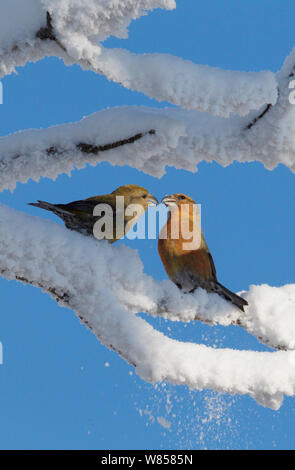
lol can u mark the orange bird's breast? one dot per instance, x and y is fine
(188, 269)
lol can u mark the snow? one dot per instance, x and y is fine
(94, 276)
(81, 27)
(221, 116)
(98, 19)
(270, 315)
(183, 139)
(191, 86)
(78, 25)
(23, 155)
(163, 422)
(19, 21)
(93, 19)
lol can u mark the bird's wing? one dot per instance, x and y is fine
(206, 249)
(193, 270)
(213, 269)
(199, 264)
(85, 207)
(188, 270)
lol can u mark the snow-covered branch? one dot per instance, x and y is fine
(227, 116)
(160, 76)
(124, 134)
(76, 27)
(182, 139)
(91, 278)
(191, 86)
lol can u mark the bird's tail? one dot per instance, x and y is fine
(228, 295)
(44, 205)
(48, 207)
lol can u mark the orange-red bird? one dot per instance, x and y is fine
(184, 251)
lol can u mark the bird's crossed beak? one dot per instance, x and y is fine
(169, 200)
(152, 201)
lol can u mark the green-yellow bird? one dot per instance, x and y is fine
(79, 215)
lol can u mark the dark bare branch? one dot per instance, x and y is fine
(268, 107)
(46, 32)
(260, 116)
(95, 149)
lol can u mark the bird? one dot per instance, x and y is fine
(189, 266)
(79, 215)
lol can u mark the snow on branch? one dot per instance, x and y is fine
(124, 134)
(191, 86)
(91, 278)
(19, 22)
(155, 138)
(77, 30)
(74, 25)
(179, 138)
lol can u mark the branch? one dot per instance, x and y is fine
(159, 137)
(69, 26)
(166, 301)
(222, 140)
(77, 270)
(181, 82)
(160, 76)
(269, 106)
(260, 116)
(64, 299)
(60, 149)
(65, 264)
(96, 149)
(46, 32)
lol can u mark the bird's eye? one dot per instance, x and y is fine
(181, 197)
(144, 196)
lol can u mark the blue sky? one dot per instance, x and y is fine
(55, 388)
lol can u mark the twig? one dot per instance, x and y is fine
(261, 115)
(95, 149)
(46, 32)
(268, 107)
